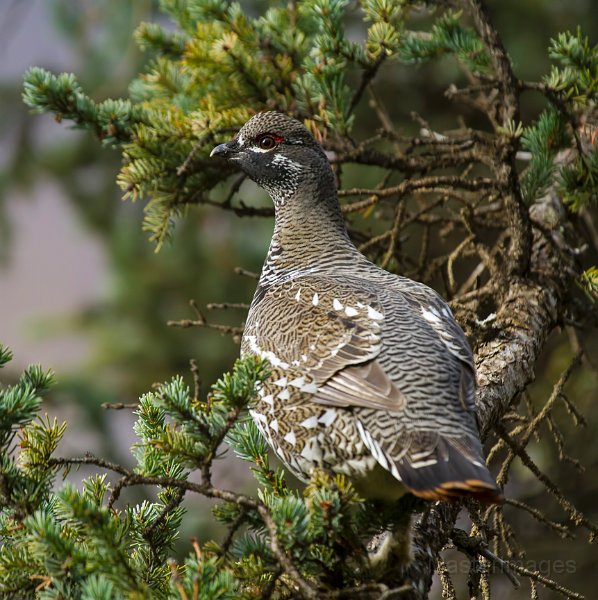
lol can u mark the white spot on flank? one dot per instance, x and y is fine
(282, 382)
(328, 417)
(284, 395)
(312, 451)
(337, 305)
(267, 354)
(372, 446)
(298, 295)
(259, 416)
(350, 311)
(274, 425)
(309, 388)
(431, 315)
(423, 463)
(374, 314)
(395, 472)
(304, 358)
(418, 456)
(268, 399)
(240, 140)
(297, 382)
(310, 422)
(291, 437)
(315, 299)
(274, 360)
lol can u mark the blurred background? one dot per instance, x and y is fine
(83, 292)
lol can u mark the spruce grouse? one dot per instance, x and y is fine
(371, 374)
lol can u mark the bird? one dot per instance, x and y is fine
(371, 375)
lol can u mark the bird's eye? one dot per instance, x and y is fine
(267, 142)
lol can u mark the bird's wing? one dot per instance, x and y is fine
(328, 336)
(329, 330)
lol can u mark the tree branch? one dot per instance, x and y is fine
(507, 109)
(505, 366)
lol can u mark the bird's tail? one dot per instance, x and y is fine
(453, 469)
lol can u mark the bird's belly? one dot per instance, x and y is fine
(308, 436)
(339, 452)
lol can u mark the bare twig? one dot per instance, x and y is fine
(227, 305)
(562, 530)
(507, 107)
(232, 530)
(545, 581)
(450, 181)
(448, 588)
(119, 405)
(533, 425)
(575, 516)
(476, 546)
(246, 273)
(196, 379)
(201, 321)
(366, 77)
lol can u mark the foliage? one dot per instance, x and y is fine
(75, 543)
(200, 84)
(206, 79)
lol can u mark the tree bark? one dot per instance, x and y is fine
(530, 309)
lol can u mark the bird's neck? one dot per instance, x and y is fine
(309, 235)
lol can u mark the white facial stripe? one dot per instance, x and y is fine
(260, 150)
(288, 163)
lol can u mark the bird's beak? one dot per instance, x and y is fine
(225, 150)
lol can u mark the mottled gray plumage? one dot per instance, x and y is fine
(371, 374)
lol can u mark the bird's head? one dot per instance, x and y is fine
(278, 153)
